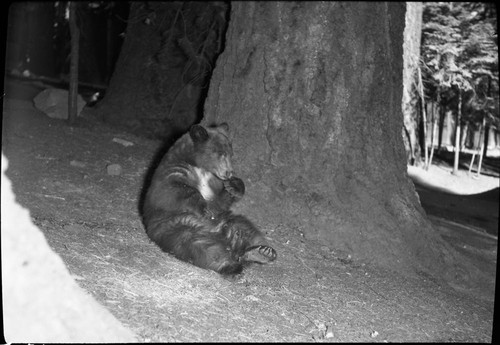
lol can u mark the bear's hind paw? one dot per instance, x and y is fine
(260, 254)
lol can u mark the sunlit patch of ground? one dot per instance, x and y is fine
(440, 177)
(463, 198)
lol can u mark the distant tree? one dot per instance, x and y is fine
(460, 55)
(481, 57)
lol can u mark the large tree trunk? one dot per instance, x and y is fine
(312, 92)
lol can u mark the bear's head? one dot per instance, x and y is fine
(213, 150)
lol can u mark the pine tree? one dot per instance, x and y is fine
(460, 60)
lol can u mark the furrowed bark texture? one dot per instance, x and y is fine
(411, 55)
(312, 92)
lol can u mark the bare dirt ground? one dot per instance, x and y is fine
(312, 293)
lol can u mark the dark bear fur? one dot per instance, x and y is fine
(187, 212)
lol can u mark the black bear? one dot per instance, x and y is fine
(186, 209)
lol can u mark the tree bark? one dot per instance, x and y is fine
(312, 92)
(411, 54)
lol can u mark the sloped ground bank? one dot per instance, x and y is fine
(91, 219)
(33, 310)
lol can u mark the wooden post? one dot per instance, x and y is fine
(481, 148)
(73, 71)
(457, 133)
(109, 48)
(434, 126)
(472, 161)
(478, 149)
(433, 138)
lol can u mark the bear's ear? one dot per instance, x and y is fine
(224, 128)
(198, 133)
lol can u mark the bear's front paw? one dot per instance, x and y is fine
(235, 187)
